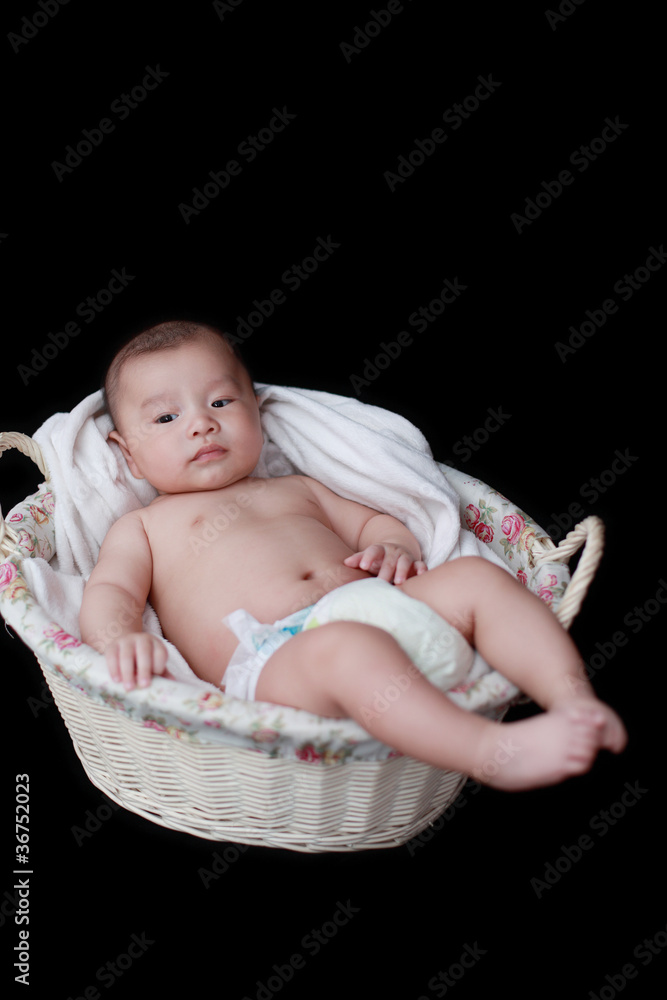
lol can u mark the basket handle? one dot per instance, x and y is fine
(590, 534)
(26, 445)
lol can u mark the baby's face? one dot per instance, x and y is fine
(188, 418)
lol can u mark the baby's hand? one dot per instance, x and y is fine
(135, 657)
(389, 562)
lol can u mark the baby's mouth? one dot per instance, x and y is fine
(209, 452)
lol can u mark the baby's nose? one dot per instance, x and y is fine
(203, 422)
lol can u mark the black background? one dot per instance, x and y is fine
(555, 84)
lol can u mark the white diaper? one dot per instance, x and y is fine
(437, 648)
(434, 646)
(257, 642)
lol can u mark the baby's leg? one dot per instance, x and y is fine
(519, 635)
(350, 670)
(511, 627)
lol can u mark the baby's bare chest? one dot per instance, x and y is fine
(257, 515)
(257, 547)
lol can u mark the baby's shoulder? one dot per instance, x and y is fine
(293, 493)
(128, 525)
(297, 484)
(294, 481)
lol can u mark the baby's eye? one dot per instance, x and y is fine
(165, 418)
(221, 402)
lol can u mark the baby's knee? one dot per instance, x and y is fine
(337, 645)
(345, 641)
(474, 567)
(315, 668)
(474, 575)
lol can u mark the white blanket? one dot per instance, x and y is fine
(370, 455)
(362, 452)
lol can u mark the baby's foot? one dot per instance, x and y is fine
(546, 749)
(612, 735)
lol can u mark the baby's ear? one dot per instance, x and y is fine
(120, 441)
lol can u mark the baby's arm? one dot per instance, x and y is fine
(382, 544)
(113, 604)
(387, 549)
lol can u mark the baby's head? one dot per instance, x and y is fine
(184, 408)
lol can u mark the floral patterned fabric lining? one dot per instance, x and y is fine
(203, 715)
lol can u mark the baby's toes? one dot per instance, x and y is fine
(602, 724)
(585, 726)
(614, 737)
(588, 714)
(581, 751)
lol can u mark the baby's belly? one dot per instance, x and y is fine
(270, 586)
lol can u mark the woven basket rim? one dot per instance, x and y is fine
(120, 756)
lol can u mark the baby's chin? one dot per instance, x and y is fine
(183, 489)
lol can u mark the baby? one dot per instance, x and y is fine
(187, 420)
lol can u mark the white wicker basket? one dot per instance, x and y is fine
(231, 793)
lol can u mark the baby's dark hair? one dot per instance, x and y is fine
(161, 337)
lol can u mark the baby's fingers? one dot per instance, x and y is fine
(369, 559)
(135, 658)
(404, 564)
(389, 569)
(112, 656)
(159, 656)
(124, 654)
(406, 567)
(143, 654)
(150, 658)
